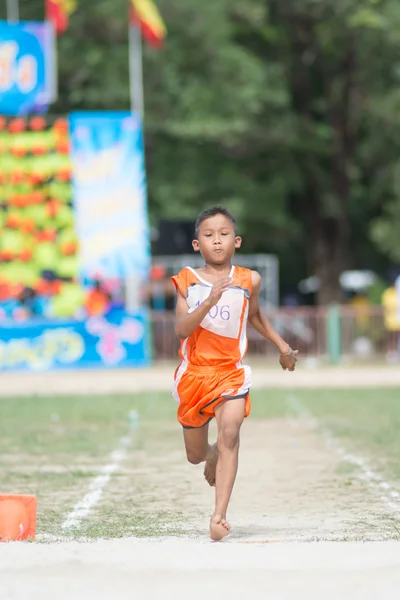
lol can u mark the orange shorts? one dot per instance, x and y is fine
(198, 390)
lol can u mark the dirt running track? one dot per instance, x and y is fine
(290, 492)
(160, 378)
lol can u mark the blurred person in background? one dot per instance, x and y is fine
(359, 301)
(160, 291)
(159, 295)
(98, 300)
(31, 304)
(391, 306)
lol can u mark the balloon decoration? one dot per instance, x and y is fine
(38, 243)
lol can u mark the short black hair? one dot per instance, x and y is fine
(213, 212)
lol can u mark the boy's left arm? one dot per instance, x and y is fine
(288, 357)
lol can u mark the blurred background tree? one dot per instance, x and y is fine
(286, 112)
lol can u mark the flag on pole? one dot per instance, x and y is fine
(145, 15)
(58, 13)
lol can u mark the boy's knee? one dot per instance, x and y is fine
(195, 457)
(228, 437)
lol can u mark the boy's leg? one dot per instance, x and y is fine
(229, 415)
(199, 450)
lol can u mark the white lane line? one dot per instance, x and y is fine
(89, 501)
(386, 493)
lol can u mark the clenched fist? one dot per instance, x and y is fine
(288, 361)
(218, 289)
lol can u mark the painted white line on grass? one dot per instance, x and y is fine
(89, 501)
(386, 493)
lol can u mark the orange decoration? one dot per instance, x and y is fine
(17, 518)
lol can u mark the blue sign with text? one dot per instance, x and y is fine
(27, 67)
(118, 340)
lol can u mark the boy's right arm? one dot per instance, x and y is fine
(187, 322)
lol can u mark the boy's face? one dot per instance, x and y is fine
(217, 240)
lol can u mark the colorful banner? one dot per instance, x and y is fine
(109, 195)
(58, 13)
(27, 67)
(118, 340)
(145, 14)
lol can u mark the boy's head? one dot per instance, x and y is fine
(216, 236)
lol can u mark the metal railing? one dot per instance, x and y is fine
(361, 333)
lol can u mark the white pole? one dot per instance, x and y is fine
(13, 11)
(136, 70)
(132, 284)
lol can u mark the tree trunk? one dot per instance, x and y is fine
(327, 228)
(329, 241)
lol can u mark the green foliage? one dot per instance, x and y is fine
(385, 231)
(287, 112)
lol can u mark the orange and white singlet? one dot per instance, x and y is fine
(211, 368)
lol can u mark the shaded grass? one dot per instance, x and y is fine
(60, 430)
(367, 422)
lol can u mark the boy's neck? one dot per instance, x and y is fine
(217, 268)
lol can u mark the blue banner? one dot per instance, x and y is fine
(109, 184)
(118, 340)
(27, 67)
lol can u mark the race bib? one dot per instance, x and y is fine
(223, 318)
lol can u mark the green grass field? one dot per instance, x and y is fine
(55, 447)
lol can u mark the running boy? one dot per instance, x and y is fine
(214, 304)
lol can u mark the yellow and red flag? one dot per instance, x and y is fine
(58, 13)
(145, 14)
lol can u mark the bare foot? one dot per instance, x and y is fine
(219, 528)
(211, 465)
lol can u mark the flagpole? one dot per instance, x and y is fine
(132, 285)
(136, 70)
(13, 11)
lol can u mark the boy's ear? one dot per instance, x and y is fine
(196, 245)
(238, 241)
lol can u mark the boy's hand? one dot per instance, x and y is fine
(288, 361)
(217, 290)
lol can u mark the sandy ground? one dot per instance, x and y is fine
(292, 489)
(160, 378)
(180, 568)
